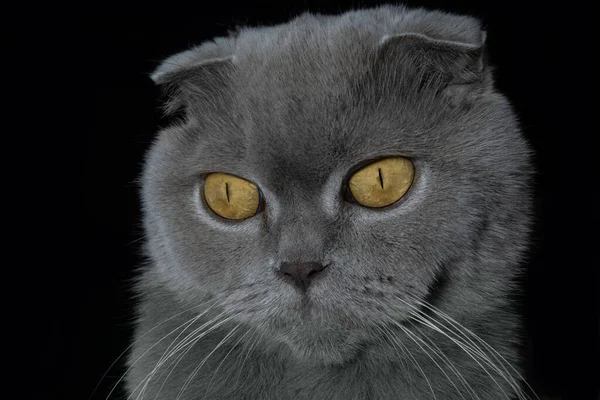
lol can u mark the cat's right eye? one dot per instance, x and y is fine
(231, 197)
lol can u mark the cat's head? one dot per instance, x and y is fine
(297, 110)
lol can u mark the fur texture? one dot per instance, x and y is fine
(294, 108)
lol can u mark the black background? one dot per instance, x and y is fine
(86, 112)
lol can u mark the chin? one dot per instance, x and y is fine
(324, 354)
(311, 343)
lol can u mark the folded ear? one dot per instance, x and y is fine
(454, 69)
(195, 77)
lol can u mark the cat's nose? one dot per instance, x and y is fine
(300, 273)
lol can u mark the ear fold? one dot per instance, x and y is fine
(195, 77)
(454, 69)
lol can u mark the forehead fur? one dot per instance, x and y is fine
(314, 93)
(317, 39)
(344, 39)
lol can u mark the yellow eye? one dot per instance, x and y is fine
(383, 182)
(231, 197)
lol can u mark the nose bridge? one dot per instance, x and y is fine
(302, 234)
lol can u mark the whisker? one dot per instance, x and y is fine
(388, 335)
(456, 325)
(416, 363)
(144, 353)
(188, 342)
(419, 316)
(172, 363)
(450, 365)
(167, 354)
(189, 338)
(414, 337)
(132, 344)
(170, 349)
(495, 353)
(175, 362)
(223, 360)
(143, 237)
(189, 380)
(258, 337)
(469, 351)
(172, 366)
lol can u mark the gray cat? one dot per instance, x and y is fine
(339, 213)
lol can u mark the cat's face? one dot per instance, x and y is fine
(298, 127)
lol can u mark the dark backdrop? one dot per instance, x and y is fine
(88, 111)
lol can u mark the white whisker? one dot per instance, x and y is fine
(168, 354)
(189, 380)
(412, 336)
(419, 316)
(140, 357)
(223, 360)
(189, 338)
(495, 353)
(258, 337)
(416, 363)
(188, 342)
(450, 365)
(139, 338)
(388, 336)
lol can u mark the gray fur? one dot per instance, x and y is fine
(293, 108)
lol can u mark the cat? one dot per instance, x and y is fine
(284, 264)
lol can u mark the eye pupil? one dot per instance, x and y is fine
(227, 192)
(380, 177)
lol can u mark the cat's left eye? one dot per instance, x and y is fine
(383, 182)
(231, 197)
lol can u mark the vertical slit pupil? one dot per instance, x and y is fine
(227, 191)
(380, 177)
